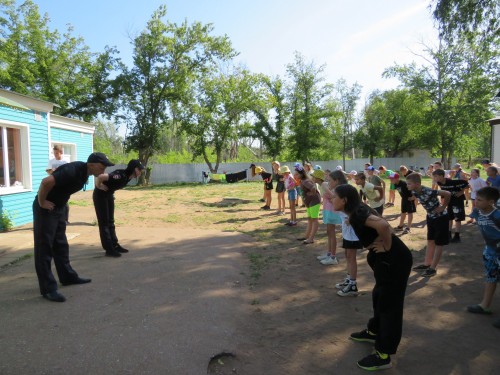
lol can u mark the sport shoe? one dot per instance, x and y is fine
(265, 208)
(421, 267)
(374, 362)
(406, 230)
(324, 256)
(342, 284)
(429, 272)
(350, 290)
(399, 228)
(331, 260)
(363, 336)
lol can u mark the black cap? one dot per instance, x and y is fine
(485, 161)
(135, 163)
(99, 157)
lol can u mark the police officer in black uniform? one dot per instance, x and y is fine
(104, 203)
(49, 222)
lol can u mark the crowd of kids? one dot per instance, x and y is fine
(358, 207)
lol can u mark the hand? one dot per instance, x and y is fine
(102, 187)
(378, 246)
(439, 209)
(48, 205)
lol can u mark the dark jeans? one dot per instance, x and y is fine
(391, 271)
(49, 230)
(104, 204)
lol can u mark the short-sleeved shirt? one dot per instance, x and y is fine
(70, 178)
(402, 189)
(489, 225)
(494, 181)
(312, 196)
(475, 185)
(54, 164)
(454, 186)
(375, 180)
(429, 199)
(347, 230)
(371, 195)
(118, 179)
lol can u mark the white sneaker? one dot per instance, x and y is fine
(324, 256)
(342, 284)
(331, 260)
(350, 290)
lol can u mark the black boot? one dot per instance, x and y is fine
(456, 238)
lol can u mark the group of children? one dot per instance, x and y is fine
(359, 212)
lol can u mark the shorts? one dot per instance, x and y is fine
(346, 244)
(408, 207)
(457, 212)
(292, 195)
(379, 209)
(299, 191)
(491, 268)
(330, 217)
(438, 230)
(313, 212)
(280, 187)
(392, 187)
(268, 186)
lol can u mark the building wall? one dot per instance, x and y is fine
(19, 205)
(495, 147)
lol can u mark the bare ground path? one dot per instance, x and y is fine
(194, 286)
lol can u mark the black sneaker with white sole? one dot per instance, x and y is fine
(363, 336)
(374, 362)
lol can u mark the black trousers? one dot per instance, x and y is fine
(49, 230)
(391, 271)
(104, 204)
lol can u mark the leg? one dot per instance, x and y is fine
(314, 229)
(102, 210)
(429, 254)
(402, 219)
(438, 251)
(352, 263)
(332, 239)
(410, 220)
(489, 291)
(65, 272)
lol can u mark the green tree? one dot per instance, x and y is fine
(39, 62)
(307, 99)
(213, 121)
(347, 96)
(168, 58)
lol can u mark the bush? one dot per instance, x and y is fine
(6, 222)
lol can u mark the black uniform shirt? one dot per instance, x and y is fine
(454, 186)
(70, 178)
(402, 188)
(118, 179)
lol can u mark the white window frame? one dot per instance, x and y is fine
(72, 156)
(25, 156)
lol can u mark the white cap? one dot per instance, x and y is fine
(353, 172)
(338, 168)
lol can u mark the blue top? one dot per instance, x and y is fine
(489, 225)
(494, 181)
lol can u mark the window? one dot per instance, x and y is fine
(13, 166)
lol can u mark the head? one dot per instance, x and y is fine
(403, 169)
(318, 176)
(394, 178)
(285, 170)
(457, 167)
(438, 176)
(437, 165)
(301, 172)
(276, 166)
(475, 173)
(491, 171)
(336, 178)
(345, 198)
(360, 179)
(97, 163)
(259, 170)
(58, 151)
(414, 181)
(134, 168)
(308, 166)
(367, 165)
(486, 163)
(370, 170)
(382, 169)
(487, 197)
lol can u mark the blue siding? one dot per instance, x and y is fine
(18, 205)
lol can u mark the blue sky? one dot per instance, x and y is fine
(356, 39)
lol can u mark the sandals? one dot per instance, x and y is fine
(478, 309)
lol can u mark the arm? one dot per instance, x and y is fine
(99, 181)
(47, 184)
(381, 192)
(383, 242)
(446, 195)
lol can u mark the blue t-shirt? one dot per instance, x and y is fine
(494, 181)
(489, 225)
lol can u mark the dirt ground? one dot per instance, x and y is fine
(291, 320)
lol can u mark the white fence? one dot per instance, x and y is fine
(171, 173)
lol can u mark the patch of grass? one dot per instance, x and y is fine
(172, 218)
(15, 261)
(80, 203)
(258, 263)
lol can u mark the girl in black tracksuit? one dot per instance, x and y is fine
(391, 261)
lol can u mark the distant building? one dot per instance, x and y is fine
(495, 139)
(28, 131)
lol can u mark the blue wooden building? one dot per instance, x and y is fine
(28, 131)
